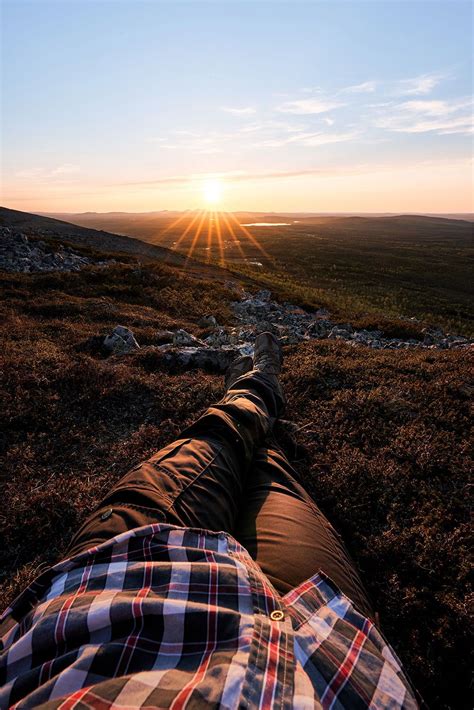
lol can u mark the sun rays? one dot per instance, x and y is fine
(208, 234)
(211, 234)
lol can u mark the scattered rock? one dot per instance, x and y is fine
(293, 325)
(431, 335)
(218, 338)
(214, 359)
(258, 313)
(319, 329)
(121, 341)
(20, 254)
(341, 332)
(182, 338)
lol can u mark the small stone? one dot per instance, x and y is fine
(218, 337)
(339, 333)
(319, 329)
(321, 313)
(207, 321)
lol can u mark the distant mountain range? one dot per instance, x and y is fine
(71, 216)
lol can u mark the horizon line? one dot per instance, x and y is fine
(259, 212)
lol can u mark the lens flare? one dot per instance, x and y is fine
(212, 231)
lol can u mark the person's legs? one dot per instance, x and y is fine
(287, 534)
(196, 481)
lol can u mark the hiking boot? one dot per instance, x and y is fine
(236, 369)
(268, 356)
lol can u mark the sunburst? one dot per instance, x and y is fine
(206, 231)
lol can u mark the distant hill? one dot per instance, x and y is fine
(384, 220)
(158, 227)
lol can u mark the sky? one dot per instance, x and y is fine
(131, 105)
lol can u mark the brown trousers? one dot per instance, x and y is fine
(220, 475)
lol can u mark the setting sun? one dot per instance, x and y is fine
(212, 191)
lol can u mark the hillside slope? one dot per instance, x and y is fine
(381, 440)
(58, 229)
(105, 242)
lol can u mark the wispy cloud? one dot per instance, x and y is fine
(422, 84)
(419, 116)
(317, 139)
(262, 134)
(196, 143)
(367, 87)
(236, 176)
(436, 108)
(233, 176)
(239, 111)
(309, 106)
(60, 171)
(311, 140)
(184, 179)
(273, 126)
(307, 118)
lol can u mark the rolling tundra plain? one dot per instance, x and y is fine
(413, 265)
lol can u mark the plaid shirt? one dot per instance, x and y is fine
(168, 617)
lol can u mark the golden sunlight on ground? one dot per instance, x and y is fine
(212, 231)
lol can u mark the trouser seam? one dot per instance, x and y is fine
(195, 479)
(135, 506)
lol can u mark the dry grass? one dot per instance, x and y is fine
(387, 459)
(384, 439)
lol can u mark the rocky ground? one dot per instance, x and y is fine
(19, 253)
(257, 313)
(220, 344)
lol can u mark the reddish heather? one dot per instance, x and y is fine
(382, 444)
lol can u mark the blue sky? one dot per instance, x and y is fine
(318, 106)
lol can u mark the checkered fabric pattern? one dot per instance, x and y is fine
(168, 617)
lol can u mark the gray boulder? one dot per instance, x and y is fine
(432, 336)
(121, 341)
(182, 338)
(341, 332)
(164, 336)
(319, 329)
(207, 321)
(214, 359)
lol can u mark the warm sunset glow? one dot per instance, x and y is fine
(212, 191)
(389, 136)
(212, 232)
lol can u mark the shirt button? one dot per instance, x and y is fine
(277, 615)
(106, 514)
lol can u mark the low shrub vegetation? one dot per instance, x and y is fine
(382, 443)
